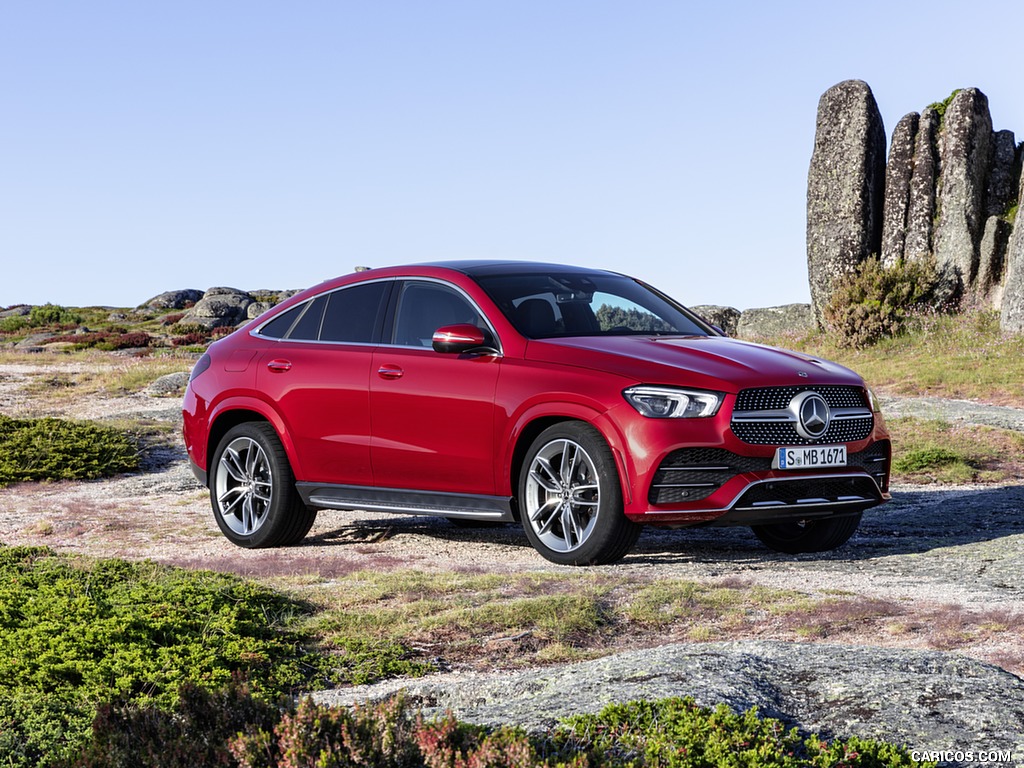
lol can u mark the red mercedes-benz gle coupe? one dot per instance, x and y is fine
(582, 403)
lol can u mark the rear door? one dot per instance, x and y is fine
(318, 373)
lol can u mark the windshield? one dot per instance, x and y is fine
(543, 306)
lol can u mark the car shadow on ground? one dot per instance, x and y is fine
(914, 522)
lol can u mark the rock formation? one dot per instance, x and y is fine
(921, 210)
(773, 322)
(951, 187)
(220, 307)
(1012, 314)
(844, 187)
(965, 154)
(725, 318)
(174, 299)
(898, 174)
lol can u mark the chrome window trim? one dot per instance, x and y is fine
(255, 332)
(469, 299)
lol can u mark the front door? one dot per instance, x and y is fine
(432, 414)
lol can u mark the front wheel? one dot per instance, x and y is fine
(252, 490)
(570, 499)
(801, 536)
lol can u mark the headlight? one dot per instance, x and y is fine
(672, 403)
(873, 401)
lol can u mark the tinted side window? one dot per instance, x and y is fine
(352, 313)
(279, 326)
(425, 307)
(308, 327)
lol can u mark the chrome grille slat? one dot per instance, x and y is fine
(762, 416)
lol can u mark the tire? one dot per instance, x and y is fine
(797, 537)
(570, 499)
(252, 490)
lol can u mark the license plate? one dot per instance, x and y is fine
(810, 457)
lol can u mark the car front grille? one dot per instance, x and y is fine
(777, 398)
(693, 474)
(761, 416)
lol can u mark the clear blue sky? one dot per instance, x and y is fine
(150, 146)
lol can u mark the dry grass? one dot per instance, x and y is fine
(486, 621)
(929, 451)
(964, 356)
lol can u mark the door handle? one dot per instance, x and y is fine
(390, 372)
(279, 365)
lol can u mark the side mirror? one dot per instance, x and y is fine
(459, 338)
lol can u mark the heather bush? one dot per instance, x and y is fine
(877, 301)
(372, 736)
(172, 318)
(57, 449)
(671, 732)
(197, 731)
(106, 341)
(191, 340)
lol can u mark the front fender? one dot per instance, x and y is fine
(533, 419)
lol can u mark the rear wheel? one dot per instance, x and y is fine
(570, 498)
(252, 490)
(800, 536)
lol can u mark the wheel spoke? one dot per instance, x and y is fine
(239, 495)
(546, 515)
(232, 462)
(570, 527)
(549, 480)
(248, 517)
(569, 455)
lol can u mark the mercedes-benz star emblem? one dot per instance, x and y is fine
(812, 415)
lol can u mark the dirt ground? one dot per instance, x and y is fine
(941, 553)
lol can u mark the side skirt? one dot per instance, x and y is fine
(402, 501)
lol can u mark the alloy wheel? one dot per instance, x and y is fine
(244, 486)
(562, 495)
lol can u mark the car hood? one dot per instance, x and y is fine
(710, 362)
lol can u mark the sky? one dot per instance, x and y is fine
(269, 145)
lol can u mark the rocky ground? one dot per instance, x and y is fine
(940, 553)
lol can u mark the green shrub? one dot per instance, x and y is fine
(930, 457)
(876, 301)
(13, 324)
(942, 106)
(183, 329)
(79, 633)
(57, 449)
(52, 314)
(677, 732)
